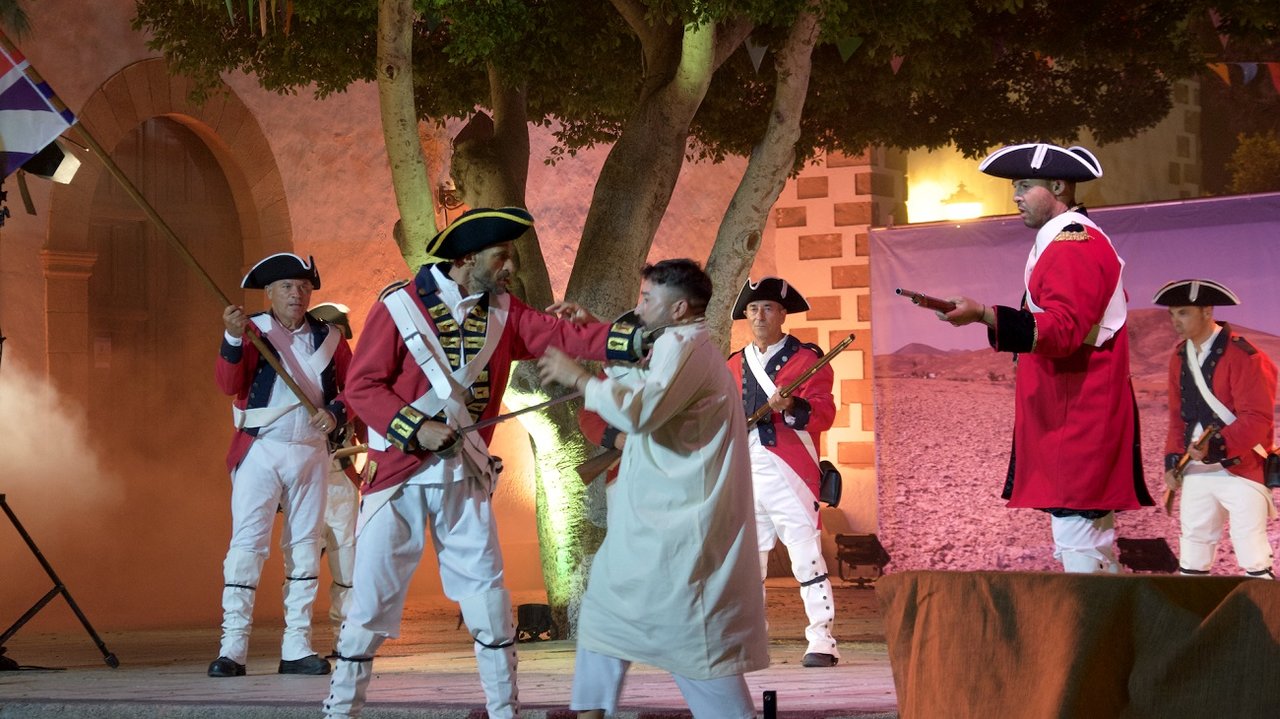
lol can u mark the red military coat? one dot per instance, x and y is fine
(385, 378)
(813, 413)
(1244, 380)
(243, 373)
(1075, 418)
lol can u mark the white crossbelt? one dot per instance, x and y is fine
(448, 389)
(305, 373)
(752, 356)
(1215, 404)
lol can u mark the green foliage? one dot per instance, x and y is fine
(975, 73)
(13, 18)
(1255, 164)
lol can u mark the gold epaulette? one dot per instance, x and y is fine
(1071, 236)
(385, 291)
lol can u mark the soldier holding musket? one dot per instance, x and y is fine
(1217, 378)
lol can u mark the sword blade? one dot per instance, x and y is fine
(531, 408)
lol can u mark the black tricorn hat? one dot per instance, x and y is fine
(1042, 161)
(281, 266)
(477, 229)
(1194, 293)
(334, 314)
(774, 289)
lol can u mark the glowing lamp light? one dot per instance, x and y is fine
(962, 205)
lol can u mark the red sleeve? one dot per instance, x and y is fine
(1252, 387)
(1074, 283)
(372, 377)
(341, 366)
(536, 331)
(592, 426)
(236, 365)
(816, 391)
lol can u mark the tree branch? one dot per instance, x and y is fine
(738, 238)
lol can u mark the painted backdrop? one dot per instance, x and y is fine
(944, 399)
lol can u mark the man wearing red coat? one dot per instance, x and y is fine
(1216, 377)
(434, 357)
(1075, 443)
(279, 456)
(783, 447)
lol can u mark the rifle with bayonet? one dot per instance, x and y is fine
(925, 301)
(1199, 445)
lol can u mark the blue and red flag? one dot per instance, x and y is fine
(31, 116)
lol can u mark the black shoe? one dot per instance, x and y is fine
(224, 667)
(813, 659)
(312, 665)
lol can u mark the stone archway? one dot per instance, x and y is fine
(126, 101)
(133, 332)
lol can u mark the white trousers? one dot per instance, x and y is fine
(388, 550)
(598, 681)
(1209, 500)
(787, 510)
(1086, 546)
(290, 476)
(342, 503)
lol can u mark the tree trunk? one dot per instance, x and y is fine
(637, 179)
(771, 161)
(490, 168)
(417, 222)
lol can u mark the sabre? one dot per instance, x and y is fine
(449, 449)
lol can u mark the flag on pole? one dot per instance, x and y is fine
(31, 116)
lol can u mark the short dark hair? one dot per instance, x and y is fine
(683, 275)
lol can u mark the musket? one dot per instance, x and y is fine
(609, 458)
(1184, 460)
(785, 392)
(923, 300)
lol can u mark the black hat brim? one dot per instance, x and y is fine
(1042, 161)
(1194, 293)
(477, 229)
(281, 266)
(772, 289)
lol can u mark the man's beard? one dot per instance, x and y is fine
(488, 284)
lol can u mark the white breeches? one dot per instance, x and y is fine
(598, 680)
(1085, 546)
(289, 476)
(342, 503)
(391, 543)
(787, 510)
(1209, 500)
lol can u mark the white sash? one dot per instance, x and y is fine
(752, 356)
(1215, 404)
(305, 372)
(1113, 318)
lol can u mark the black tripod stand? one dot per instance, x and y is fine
(58, 588)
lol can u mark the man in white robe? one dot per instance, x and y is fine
(676, 583)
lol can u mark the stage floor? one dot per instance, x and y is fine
(428, 672)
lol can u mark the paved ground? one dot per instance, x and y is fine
(428, 672)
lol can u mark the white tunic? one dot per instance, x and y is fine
(676, 583)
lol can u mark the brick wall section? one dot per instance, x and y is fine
(821, 245)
